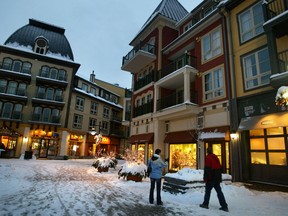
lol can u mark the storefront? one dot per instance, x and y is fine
(264, 134)
(44, 144)
(75, 145)
(143, 145)
(9, 138)
(182, 150)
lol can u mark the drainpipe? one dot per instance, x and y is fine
(235, 156)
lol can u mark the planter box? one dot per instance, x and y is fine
(103, 169)
(135, 178)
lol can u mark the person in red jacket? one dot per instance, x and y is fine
(212, 178)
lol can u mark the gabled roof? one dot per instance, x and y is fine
(58, 43)
(170, 9)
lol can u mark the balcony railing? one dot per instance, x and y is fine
(141, 46)
(174, 99)
(143, 109)
(144, 81)
(283, 61)
(177, 64)
(273, 8)
(16, 115)
(9, 66)
(51, 119)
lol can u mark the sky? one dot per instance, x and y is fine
(73, 187)
(99, 31)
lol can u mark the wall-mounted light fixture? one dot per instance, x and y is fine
(233, 135)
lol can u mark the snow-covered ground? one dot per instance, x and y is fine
(74, 187)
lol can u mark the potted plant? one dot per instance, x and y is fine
(104, 162)
(134, 168)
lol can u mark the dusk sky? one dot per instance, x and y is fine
(99, 31)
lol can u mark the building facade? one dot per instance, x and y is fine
(180, 93)
(45, 108)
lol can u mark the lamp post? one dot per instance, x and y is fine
(97, 137)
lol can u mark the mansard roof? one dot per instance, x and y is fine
(26, 36)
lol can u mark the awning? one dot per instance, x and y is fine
(181, 137)
(142, 138)
(264, 121)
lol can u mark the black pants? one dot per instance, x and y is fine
(208, 187)
(158, 188)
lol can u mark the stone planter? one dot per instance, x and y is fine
(136, 178)
(103, 169)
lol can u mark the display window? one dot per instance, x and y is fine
(182, 155)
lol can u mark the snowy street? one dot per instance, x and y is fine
(74, 187)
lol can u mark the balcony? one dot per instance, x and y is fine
(143, 109)
(15, 116)
(52, 120)
(140, 56)
(276, 17)
(175, 65)
(144, 81)
(7, 72)
(281, 78)
(42, 101)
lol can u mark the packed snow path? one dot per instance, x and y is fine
(74, 187)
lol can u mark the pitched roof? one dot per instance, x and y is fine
(171, 9)
(27, 34)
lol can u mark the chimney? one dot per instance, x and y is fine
(92, 77)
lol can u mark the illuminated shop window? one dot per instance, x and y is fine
(276, 158)
(150, 151)
(182, 155)
(257, 144)
(258, 158)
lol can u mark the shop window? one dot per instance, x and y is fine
(182, 155)
(258, 158)
(150, 151)
(141, 152)
(274, 131)
(277, 158)
(257, 132)
(276, 143)
(257, 144)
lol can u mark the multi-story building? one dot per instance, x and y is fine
(36, 76)
(45, 107)
(258, 54)
(181, 90)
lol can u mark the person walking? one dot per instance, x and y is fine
(212, 178)
(157, 164)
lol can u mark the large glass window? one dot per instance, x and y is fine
(211, 45)
(257, 69)
(79, 103)
(213, 85)
(182, 155)
(268, 146)
(251, 22)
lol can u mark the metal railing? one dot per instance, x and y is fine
(283, 61)
(144, 81)
(183, 60)
(143, 109)
(273, 8)
(140, 46)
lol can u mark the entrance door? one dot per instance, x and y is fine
(43, 149)
(221, 150)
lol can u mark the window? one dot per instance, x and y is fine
(211, 45)
(37, 114)
(188, 26)
(7, 63)
(55, 117)
(106, 112)
(22, 89)
(41, 45)
(251, 22)
(17, 65)
(268, 147)
(79, 104)
(93, 108)
(50, 94)
(41, 92)
(93, 91)
(12, 87)
(3, 84)
(46, 114)
(7, 110)
(44, 71)
(26, 67)
(182, 155)
(58, 95)
(257, 69)
(104, 126)
(53, 73)
(1, 104)
(213, 85)
(62, 75)
(114, 99)
(77, 122)
(92, 123)
(84, 87)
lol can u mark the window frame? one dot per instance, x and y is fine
(212, 52)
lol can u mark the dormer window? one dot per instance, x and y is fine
(41, 45)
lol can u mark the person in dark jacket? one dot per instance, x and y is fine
(156, 176)
(213, 177)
